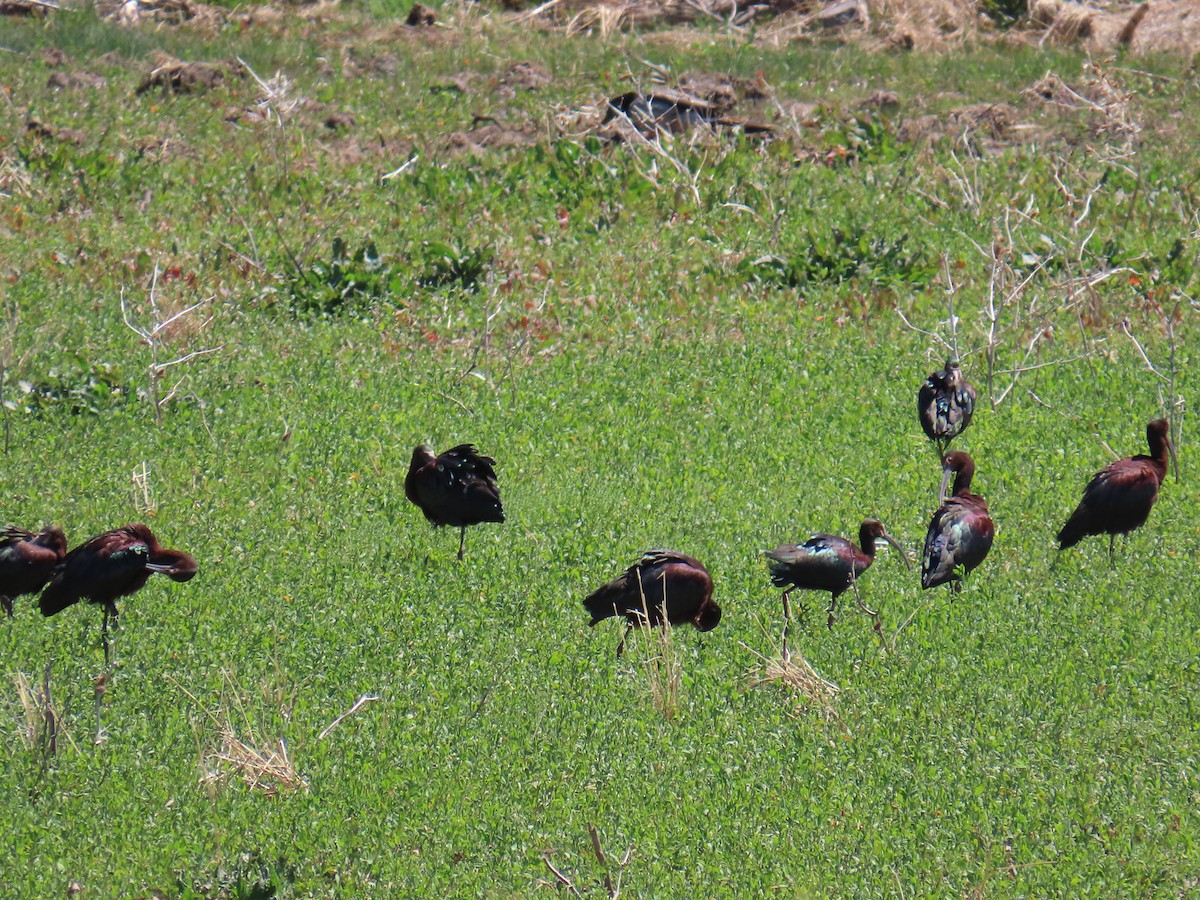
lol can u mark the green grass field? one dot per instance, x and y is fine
(696, 344)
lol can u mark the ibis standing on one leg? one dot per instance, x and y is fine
(826, 562)
(945, 404)
(1120, 496)
(961, 531)
(457, 488)
(663, 584)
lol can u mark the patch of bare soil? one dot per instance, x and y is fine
(174, 76)
(353, 150)
(132, 13)
(48, 132)
(492, 135)
(76, 80)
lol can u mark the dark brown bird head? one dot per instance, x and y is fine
(52, 538)
(175, 564)
(953, 366)
(708, 617)
(870, 532)
(422, 455)
(960, 463)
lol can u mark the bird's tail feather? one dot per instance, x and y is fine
(1071, 533)
(54, 600)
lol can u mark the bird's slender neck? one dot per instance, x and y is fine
(866, 541)
(962, 481)
(1159, 447)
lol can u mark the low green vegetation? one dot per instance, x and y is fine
(231, 312)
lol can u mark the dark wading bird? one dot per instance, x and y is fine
(826, 562)
(27, 561)
(945, 404)
(1119, 498)
(111, 565)
(457, 488)
(961, 531)
(662, 581)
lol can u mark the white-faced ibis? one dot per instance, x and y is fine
(27, 560)
(662, 581)
(945, 404)
(961, 531)
(826, 562)
(1119, 498)
(111, 565)
(457, 488)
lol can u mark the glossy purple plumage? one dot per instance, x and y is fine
(457, 488)
(112, 565)
(945, 404)
(1120, 496)
(27, 561)
(961, 531)
(660, 579)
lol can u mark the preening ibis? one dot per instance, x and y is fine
(826, 562)
(27, 560)
(662, 581)
(945, 404)
(1119, 498)
(457, 488)
(111, 565)
(961, 531)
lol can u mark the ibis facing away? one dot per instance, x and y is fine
(457, 488)
(945, 404)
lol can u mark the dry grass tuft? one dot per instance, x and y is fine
(268, 769)
(43, 725)
(664, 674)
(795, 673)
(263, 765)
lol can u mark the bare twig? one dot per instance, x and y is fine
(562, 879)
(358, 704)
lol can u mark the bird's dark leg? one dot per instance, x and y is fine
(621, 646)
(832, 611)
(8, 604)
(1112, 557)
(110, 645)
(462, 541)
(787, 623)
(104, 636)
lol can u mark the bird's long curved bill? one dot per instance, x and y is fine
(904, 556)
(947, 474)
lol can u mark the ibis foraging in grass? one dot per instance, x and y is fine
(663, 584)
(457, 488)
(945, 404)
(961, 531)
(27, 560)
(1120, 496)
(826, 562)
(111, 565)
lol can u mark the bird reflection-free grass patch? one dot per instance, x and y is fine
(789, 668)
(262, 764)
